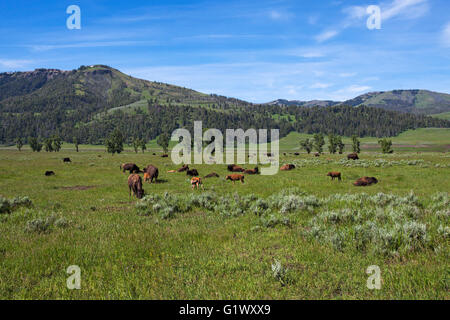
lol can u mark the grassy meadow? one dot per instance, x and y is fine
(223, 241)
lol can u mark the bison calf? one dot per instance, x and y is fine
(196, 182)
(287, 167)
(235, 177)
(334, 175)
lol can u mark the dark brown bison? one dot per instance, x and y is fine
(353, 156)
(287, 167)
(67, 160)
(211, 175)
(235, 177)
(365, 181)
(165, 156)
(131, 167)
(151, 172)
(316, 154)
(183, 168)
(135, 185)
(192, 173)
(235, 168)
(297, 154)
(334, 175)
(252, 171)
(49, 173)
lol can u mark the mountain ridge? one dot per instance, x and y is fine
(417, 101)
(91, 101)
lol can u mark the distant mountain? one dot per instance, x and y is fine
(411, 101)
(298, 103)
(91, 89)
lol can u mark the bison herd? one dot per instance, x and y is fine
(151, 173)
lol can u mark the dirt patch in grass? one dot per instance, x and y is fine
(78, 188)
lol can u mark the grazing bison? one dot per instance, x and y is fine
(67, 160)
(196, 182)
(365, 181)
(49, 173)
(316, 154)
(131, 167)
(353, 156)
(211, 175)
(287, 167)
(235, 177)
(235, 168)
(150, 173)
(297, 154)
(192, 173)
(334, 175)
(183, 168)
(135, 185)
(165, 156)
(252, 171)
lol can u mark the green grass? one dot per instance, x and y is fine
(426, 139)
(204, 254)
(445, 115)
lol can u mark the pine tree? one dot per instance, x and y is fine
(114, 143)
(35, 145)
(307, 144)
(75, 142)
(163, 141)
(319, 142)
(356, 144)
(386, 145)
(332, 143)
(19, 144)
(340, 144)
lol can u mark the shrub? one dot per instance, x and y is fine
(37, 225)
(280, 273)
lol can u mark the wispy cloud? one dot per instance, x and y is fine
(319, 85)
(93, 44)
(406, 9)
(14, 64)
(326, 35)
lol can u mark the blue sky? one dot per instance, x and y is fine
(254, 50)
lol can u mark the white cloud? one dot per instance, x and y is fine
(326, 35)
(409, 9)
(347, 74)
(279, 15)
(14, 64)
(319, 85)
(446, 35)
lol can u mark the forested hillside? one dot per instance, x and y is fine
(88, 103)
